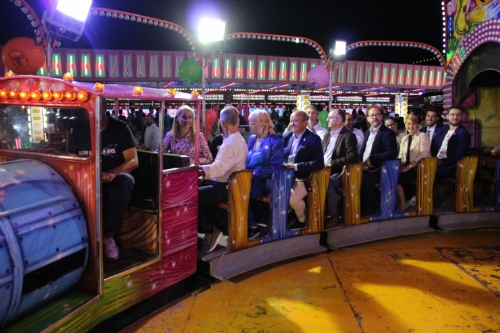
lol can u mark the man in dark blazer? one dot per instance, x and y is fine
(303, 153)
(433, 128)
(379, 146)
(453, 143)
(340, 148)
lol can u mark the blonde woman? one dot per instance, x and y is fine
(265, 156)
(180, 140)
(414, 146)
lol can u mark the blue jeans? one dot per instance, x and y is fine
(117, 196)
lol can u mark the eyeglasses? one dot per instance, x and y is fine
(374, 115)
(454, 115)
(331, 118)
(391, 125)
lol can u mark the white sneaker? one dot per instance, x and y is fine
(412, 201)
(111, 251)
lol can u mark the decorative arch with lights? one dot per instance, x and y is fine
(39, 33)
(398, 43)
(118, 14)
(487, 32)
(281, 38)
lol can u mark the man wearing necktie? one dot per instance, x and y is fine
(340, 148)
(303, 153)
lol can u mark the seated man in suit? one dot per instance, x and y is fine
(453, 142)
(433, 128)
(379, 146)
(340, 149)
(303, 153)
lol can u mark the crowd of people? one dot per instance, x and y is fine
(305, 147)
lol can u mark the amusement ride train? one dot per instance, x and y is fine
(53, 276)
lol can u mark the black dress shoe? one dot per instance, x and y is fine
(253, 233)
(297, 225)
(333, 222)
(368, 211)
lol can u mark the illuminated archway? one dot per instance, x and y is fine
(281, 38)
(118, 14)
(398, 43)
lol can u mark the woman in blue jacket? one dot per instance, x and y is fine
(265, 156)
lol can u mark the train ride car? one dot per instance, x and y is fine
(52, 273)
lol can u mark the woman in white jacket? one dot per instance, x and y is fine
(414, 146)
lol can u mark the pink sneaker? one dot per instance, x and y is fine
(110, 249)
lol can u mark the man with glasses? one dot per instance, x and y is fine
(379, 146)
(340, 149)
(453, 142)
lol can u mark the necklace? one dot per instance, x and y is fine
(257, 143)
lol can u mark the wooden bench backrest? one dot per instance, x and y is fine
(464, 194)
(238, 195)
(352, 177)
(316, 201)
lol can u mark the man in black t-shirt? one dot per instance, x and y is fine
(118, 159)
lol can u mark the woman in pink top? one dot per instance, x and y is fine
(180, 140)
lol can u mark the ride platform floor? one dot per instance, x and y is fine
(437, 282)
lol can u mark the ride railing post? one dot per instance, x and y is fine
(330, 82)
(203, 103)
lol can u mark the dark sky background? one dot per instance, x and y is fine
(321, 20)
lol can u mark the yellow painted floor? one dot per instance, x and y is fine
(440, 282)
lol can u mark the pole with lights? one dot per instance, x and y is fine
(211, 37)
(336, 55)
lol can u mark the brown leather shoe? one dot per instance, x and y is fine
(333, 222)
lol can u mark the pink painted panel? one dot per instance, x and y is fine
(179, 210)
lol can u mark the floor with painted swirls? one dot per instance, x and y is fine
(438, 282)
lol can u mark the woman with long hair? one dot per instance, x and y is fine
(180, 140)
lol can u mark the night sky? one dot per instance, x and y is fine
(320, 20)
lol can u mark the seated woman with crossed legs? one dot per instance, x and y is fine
(414, 146)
